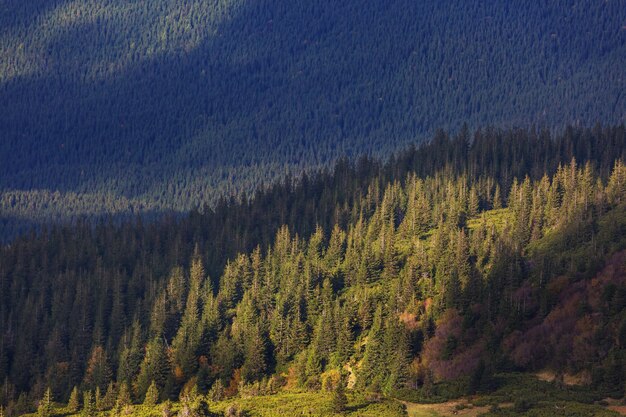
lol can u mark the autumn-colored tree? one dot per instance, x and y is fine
(98, 373)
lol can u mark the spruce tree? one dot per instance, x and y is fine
(217, 391)
(154, 367)
(98, 400)
(372, 367)
(152, 395)
(255, 364)
(108, 401)
(74, 402)
(340, 400)
(45, 405)
(123, 396)
(89, 405)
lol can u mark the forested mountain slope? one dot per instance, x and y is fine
(155, 105)
(417, 274)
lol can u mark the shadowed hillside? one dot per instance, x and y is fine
(173, 103)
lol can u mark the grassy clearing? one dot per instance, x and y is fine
(499, 218)
(311, 404)
(280, 405)
(508, 395)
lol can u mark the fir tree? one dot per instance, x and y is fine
(45, 405)
(255, 364)
(98, 400)
(154, 368)
(373, 366)
(123, 395)
(74, 402)
(108, 401)
(152, 395)
(217, 391)
(89, 405)
(340, 400)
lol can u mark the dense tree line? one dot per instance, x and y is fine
(448, 262)
(171, 104)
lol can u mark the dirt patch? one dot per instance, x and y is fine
(615, 405)
(621, 409)
(582, 378)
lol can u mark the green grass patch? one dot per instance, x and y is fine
(499, 218)
(310, 404)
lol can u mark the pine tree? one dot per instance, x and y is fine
(217, 391)
(187, 341)
(476, 378)
(313, 367)
(154, 367)
(98, 400)
(109, 397)
(340, 400)
(130, 354)
(497, 198)
(89, 405)
(74, 402)
(373, 366)
(397, 351)
(45, 405)
(254, 365)
(152, 395)
(123, 396)
(98, 373)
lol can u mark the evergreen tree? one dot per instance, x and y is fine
(255, 362)
(152, 395)
(45, 405)
(74, 402)
(372, 367)
(123, 395)
(98, 373)
(340, 400)
(217, 391)
(98, 400)
(154, 368)
(109, 397)
(89, 405)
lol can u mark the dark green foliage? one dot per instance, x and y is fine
(154, 369)
(406, 282)
(340, 400)
(476, 378)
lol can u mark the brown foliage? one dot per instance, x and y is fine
(465, 357)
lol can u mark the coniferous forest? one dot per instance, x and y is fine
(159, 105)
(263, 208)
(420, 278)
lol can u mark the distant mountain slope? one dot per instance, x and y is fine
(172, 103)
